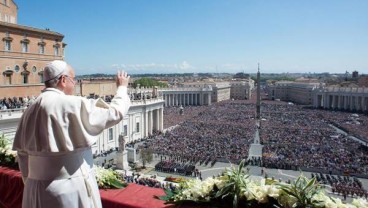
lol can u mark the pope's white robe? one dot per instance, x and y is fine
(54, 140)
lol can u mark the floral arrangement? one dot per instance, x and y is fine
(8, 157)
(175, 180)
(108, 178)
(235, 189)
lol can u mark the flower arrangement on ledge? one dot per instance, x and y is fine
(108, 178)
(7, 156)
(235, 189)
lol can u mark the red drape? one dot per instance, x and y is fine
(11, 191)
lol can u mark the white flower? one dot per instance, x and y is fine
(273, 191)
(360, 203)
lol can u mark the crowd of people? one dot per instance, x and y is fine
(16, 102)
(296, 137)
(147, 181)
(207, 134)
(343, 185)
(170, 166)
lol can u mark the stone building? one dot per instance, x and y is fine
(184, 96)
(341, 98)
(24, 51)
(143, 118)
(297, 92)
(241, 89)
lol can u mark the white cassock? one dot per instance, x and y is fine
(54, 140)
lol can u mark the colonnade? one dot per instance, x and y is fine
(154, 121)
(352, 99)
(185, 98)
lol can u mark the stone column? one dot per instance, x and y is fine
(157, 126)
(161, 119)
(146, 124)
(150, 121)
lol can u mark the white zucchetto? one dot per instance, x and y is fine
(54, 69)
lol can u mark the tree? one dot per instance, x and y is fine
(148, 82)
(146, 156)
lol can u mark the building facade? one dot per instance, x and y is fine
(297, 92)
(24, 52)
(341, 98)
(143, 118)
(241, 89)
(184, 96)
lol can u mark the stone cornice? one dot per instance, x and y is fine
(24, 29)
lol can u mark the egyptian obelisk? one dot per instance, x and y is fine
(258, 105)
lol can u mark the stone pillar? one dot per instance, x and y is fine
(146, 124)
(157, 126)
(122, 160)
(161, 119)
(150, 121)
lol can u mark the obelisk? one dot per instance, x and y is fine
(258, 105)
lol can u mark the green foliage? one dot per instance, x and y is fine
(3, 141)
(236, 186)
(148, 82)
(146, 155)
(303, 191)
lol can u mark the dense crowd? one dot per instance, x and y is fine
(207, 134)
(297, 137)
(176, 168)
(16, 102)
(344, 185)
(147, 181)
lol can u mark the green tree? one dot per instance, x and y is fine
(146, 156)
(148, 82)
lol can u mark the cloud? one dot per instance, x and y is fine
(155, 67)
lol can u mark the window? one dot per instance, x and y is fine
(56, 50)
(7, 45)
(25, 78)
(125, 133)
(42, 49)
(8, 79)
(6, 2)
(8, 76)
(34, 69)
(16, 68)
(111, 134)
(40, 74)
(24, 47)
(137, 127)
(25, 75)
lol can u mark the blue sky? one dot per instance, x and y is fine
(172, 36)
